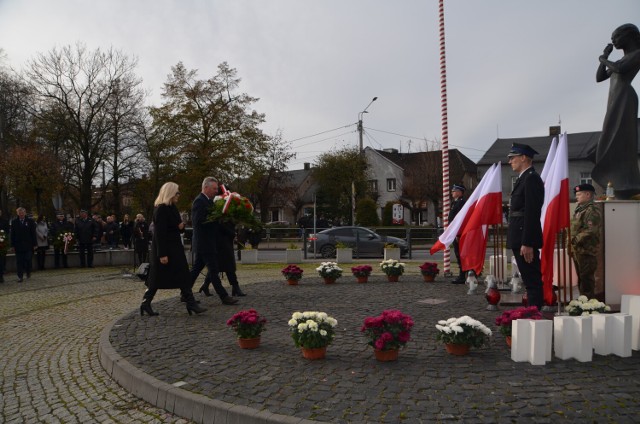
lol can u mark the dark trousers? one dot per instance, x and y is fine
(23, 262)
(456, 251)
(142, 250)
(57, 254)
(208, 260)
(40, 255)
(85, 251)
(586, 266)
(3, 262)
(531, 277)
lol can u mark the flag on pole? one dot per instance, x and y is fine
(483, 208)
(555, 211)
(549, 161)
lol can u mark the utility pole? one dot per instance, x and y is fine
(360, 129)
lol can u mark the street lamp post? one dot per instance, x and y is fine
(360, 129)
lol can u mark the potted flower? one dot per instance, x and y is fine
(429, 270)
(293, 254)
(392, 268)
(344, 253)
(391, 251)
(387, 333)
(249, 255)
(460, 334)
(585, 306)
(330, 271)
(312, 332)
(362, 272)
(248, 326)
(505, 320)
(293, 273)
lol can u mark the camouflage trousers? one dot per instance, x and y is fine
(586, 266)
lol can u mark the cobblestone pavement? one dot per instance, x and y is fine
(424, 385)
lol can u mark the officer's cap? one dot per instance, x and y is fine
(518, 149)
(458, 187)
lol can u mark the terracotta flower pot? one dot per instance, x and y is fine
(314, 353)
(329, 280)
(362, 279)
(457, 349)
(292, 282)
(393, 278)
(428, 278)
(508, 339)
(249, 343)
(386, 355)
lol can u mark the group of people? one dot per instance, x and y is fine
(212, 245)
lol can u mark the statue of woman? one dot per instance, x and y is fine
(617, 150)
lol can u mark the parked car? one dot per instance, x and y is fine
(363, 241)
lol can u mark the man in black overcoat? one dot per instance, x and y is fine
(524, 234)
(204, 242)
(86, 235)
(23, 241)
(457, 192)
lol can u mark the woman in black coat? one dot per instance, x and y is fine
(168, 266)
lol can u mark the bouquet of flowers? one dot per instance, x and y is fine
(463, 330)
(389, 330)
(64, 241)
(232, 207)
(329, 270)
(504, 321)
(247, 324)
(362, 270)
(312, 329)
(4, 243)
(392, 267)
(292, 272)
(586, 306)
(429, 268)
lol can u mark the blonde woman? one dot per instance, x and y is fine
(168, 266)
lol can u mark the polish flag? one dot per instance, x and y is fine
(555, 211)
(483, 208)
(549, 161)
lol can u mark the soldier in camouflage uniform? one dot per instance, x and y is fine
(585, 238)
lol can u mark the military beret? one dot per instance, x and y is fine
(518, 149)
(584, 187)
(459, 187)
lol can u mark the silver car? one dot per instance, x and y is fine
(363, 241)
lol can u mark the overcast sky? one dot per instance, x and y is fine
(515, 67)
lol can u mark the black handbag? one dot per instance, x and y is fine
(143, 271)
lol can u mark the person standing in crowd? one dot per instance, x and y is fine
(585, 238)
(141, 238)
(111, 232)
(99, 225)
(86, 234)
(168, 267)
(59, 227)
(24, 242)
(42, 236)
(4, 226)
(457, 192)
(126, 232)
(204, 242)
(524, 235)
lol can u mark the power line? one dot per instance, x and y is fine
(423, 138)
(320, 133)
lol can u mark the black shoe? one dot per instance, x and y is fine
(229, 301)
(183, 298)
(237, 292)
(205, 290)
(146, 307)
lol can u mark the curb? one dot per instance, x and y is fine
(183, 403)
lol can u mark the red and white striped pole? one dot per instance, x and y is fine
(445, 135)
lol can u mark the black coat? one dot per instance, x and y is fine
(167, 242)
(204, 233)
(86, 230)
(224, 244)
(23, 235)
(456, 207)
(525, 208)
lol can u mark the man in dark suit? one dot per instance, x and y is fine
(457, 192)
(23, 241)
(524, 235)
(204, 243)
(86, 235)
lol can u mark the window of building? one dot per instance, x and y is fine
(391, 184)
(373, 186)
(585, 178)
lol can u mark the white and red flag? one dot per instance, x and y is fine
(483, 208)
(547, 164)
(555, 211)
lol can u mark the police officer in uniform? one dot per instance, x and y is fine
(524, 235)
(457, 192)
(585, 238)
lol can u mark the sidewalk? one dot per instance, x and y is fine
(193, 367)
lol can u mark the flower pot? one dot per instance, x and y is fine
(249, 256)
(292, 282)
(457, 349)
(386, 355)
(392, 253)
(362, 279)
(249, 343)
(428, 278)
(314, 353)
(508, 339)
(344, 255)
(294, 256)
(329, 280)
(393, 278)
